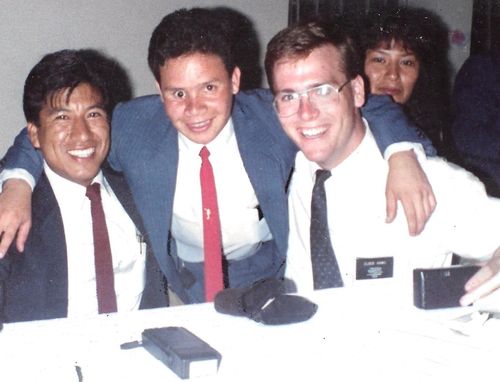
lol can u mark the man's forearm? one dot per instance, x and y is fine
(390, 125)
(22, 155)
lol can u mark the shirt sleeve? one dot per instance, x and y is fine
(23, 157)
(17, 173)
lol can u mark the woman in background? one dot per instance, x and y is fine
(406, 57)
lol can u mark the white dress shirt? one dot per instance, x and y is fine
(465, 220)
(242, 231)
(129, 254)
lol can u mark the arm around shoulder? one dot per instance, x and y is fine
(15, 214)
(390, 125)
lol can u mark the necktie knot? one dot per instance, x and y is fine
(204, 153)
(322, 176)
(93, 192)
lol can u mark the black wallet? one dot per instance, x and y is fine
(440, 287)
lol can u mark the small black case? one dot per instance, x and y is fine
(440, 287)
(183, 352)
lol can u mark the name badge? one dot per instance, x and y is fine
(374, 268)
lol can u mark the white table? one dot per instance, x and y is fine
(355, 334)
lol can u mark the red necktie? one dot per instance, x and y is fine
(211, 229)
(104, 277)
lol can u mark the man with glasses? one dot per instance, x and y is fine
(338, 235)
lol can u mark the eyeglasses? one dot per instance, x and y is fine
(287, 104)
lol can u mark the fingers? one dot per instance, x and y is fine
(15, 214)
(484, 281)
(431, 202)
(418, 209)
(411, 217)
(417, 212)
(391, 207)
(22, 236)
(408, 183)
(5, 241)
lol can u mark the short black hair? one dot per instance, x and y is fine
(66, 69)
(298, 41)
(186, 31)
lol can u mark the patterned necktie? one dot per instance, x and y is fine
(326, 271)
(212, 246)
(104, 277)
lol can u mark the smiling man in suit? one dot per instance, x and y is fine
(67, 101)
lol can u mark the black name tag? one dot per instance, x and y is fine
(374, 268)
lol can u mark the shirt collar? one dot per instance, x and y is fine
(302, 164)
(63, 186)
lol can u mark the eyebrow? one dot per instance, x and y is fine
(58, 109)
(314, 85)
(168, 88)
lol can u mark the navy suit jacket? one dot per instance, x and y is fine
(36, 285)
(145, 148)
(476, 126)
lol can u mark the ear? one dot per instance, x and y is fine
(33, 135)
(235, 80)
(358, 89)
(159, 90)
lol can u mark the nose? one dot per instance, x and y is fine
(195, 104)
(80, 129)
(307, 110)
(392, 71)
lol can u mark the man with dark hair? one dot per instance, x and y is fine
(208, 165)
(67, 106)
(338, 234)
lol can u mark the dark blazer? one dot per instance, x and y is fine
(36, 285)
(476, 124)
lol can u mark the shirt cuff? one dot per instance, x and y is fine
(16, 173)
(417, 148)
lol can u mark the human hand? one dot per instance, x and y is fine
(485, 281)
(408, 183)
(15, 214)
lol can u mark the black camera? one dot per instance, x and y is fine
(440, 287)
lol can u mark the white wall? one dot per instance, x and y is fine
(120, 28)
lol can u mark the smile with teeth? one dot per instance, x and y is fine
(83, 153)
(313, 132)
(199, 125)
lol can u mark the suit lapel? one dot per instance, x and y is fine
(256, 149)
(49, 246)
(155, 294)
(155, 187)
(120, 188)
